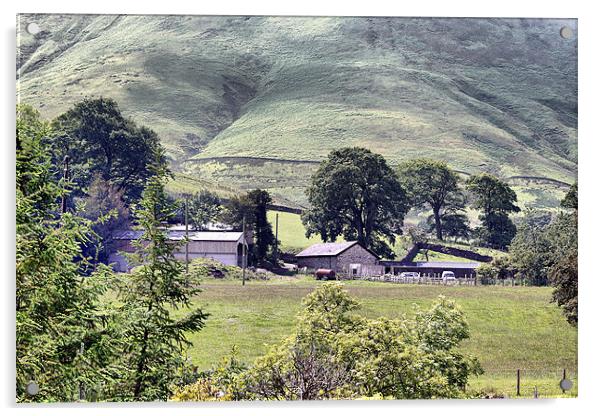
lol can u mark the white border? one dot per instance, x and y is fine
(590, 137)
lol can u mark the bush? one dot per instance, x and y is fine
(205, 268)
(336, 354)
(218, 384)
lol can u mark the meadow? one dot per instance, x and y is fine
(511, 327)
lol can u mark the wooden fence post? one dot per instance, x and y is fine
(518, 382)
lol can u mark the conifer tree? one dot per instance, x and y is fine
(61, 324)
(154, 337)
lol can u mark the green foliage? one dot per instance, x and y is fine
(155, 340)
(63, 340)
(570, 200)
(205, 268)
(547, 253)
(354, 193)
(565, 278)
(104, 205)
(336, 353)
(532, 253)
(433, 183)
(564, 273)
(499, 268)
(253, 207)
(453, 225)
(496, 200)
(99, 140)
(204, 207)
(221, 383)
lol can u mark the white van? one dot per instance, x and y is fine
(448, 276)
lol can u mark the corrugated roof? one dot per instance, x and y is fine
(432, 264)
(450, 264)
(192, 235)
(326, 249)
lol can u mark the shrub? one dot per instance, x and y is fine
(335, 353)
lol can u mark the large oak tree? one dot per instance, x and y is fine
(355, 194)
(101, 141)
(433, 183)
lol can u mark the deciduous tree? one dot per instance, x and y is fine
(355, 194)
(433, 183)
(100, 140)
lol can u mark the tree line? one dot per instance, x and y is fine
(357, 195)
(545, 252)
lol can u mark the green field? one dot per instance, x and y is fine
(291, 232)
(511, 327)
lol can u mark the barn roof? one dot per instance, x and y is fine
(433, 264)
(448, 264)
(328, 249)
(176, 235)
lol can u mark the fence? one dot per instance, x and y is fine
(422, 280)
(526, 382)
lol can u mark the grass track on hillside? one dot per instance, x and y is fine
(511, 327)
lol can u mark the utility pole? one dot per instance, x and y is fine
(276, 242)
(66, 178)
(244, 248)
(186, 228)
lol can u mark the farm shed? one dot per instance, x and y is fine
(223, 246)
(432, 268)
(340, 257)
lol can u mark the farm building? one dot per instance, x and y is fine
(223, 246)
(340, 257)
(432, 268)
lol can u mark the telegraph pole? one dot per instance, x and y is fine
(66, 178)
(276, 242)
(244, 248)
(186, 228)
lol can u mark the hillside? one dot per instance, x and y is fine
(259, 101)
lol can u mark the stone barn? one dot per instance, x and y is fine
(341, 257)
(223, 246)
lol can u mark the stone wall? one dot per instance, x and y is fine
(317, 262)
(354, 255)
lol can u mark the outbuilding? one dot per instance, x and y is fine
(342, 257)
(223, 246)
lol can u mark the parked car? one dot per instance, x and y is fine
(448, 276)
(410, 276)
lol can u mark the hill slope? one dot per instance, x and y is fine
(257, 101)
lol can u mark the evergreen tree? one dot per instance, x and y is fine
(496, 200)
(63, 340)
(155, 339)
(253, 207)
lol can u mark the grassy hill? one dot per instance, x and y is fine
(247, 102)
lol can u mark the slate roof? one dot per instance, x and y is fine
(326, 249)
(176, 235)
